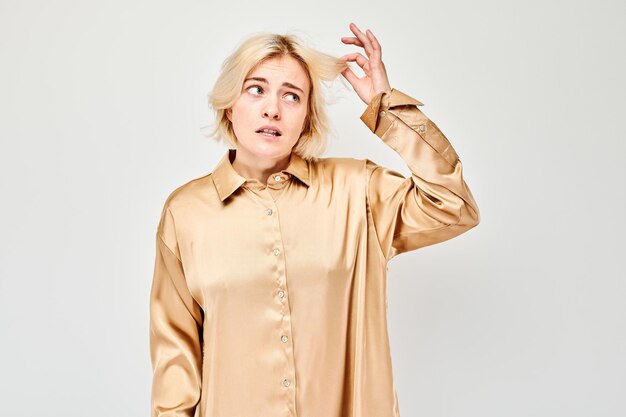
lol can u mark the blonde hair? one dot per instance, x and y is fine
(319, 67)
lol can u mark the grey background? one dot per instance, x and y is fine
(102, 106)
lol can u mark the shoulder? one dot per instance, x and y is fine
(181, 204)
(356, 173)
(188, 198)
(338, 165)
(189, 192)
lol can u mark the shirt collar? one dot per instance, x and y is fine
(227, 180)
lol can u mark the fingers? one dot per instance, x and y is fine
(353, 41)
(359, 59)
(350, 76)
(365, 41)
(376, 48)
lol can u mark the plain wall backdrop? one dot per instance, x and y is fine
(102, 108)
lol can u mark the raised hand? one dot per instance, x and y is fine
(375, 79)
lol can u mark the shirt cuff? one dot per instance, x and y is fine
(383, 102)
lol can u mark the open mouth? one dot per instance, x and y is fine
(269, 132)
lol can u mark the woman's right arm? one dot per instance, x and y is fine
(175, 331)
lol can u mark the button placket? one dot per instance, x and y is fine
(284, 338)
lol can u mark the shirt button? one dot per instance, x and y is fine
(421, 128)
(281, 294)
(382, 113)
(268, 211)
(286, 382)
(284, 339)
(276, 252)
(277, 178)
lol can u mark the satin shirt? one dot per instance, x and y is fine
(269, 300)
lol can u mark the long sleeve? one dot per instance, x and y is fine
(176, 322)
(434, 203)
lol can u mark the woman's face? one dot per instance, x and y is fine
(274, 94)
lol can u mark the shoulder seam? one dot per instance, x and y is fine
(368, 173)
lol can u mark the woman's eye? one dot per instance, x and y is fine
(296, 98)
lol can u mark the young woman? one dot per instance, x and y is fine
(269, 287)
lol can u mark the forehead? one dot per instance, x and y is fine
(282, 69)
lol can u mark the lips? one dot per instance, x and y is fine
(269, 127)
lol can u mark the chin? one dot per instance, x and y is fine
(271, 153)
(268, 150)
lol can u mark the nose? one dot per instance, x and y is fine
(271, 109)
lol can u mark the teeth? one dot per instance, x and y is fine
(273, 132)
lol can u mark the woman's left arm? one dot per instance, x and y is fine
(434, 204)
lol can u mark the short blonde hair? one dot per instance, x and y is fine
(318, 66)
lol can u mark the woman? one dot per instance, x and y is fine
(269, 287)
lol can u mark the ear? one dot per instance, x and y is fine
(229, 114)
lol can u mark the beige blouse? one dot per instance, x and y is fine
(269, 300)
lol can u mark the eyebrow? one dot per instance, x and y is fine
(285, 84)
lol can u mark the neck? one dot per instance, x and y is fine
(250, 166)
